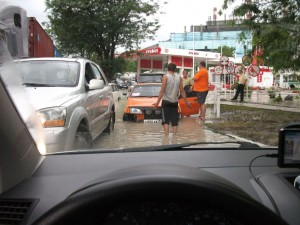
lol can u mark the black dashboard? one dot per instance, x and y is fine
(167, 212)
(172, 187)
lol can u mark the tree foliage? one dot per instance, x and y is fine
(275, 25)
(95, 28)
(130, 66)
(226, 50)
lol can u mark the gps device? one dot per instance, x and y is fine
(289, 146)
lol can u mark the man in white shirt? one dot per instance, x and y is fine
(241, 86)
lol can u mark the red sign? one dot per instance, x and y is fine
(151, 51)
(218, 70)
(237, 69)
(157, 64)
(176, 60)
(188, 62)
(145, 63)
(231, 64)
(259, 78)
(265, 69)
(254, 70)
(246, 60)
(224, 60)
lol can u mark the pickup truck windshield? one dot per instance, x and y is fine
(49, 73)
(146, 78)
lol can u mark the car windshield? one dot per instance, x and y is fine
(49, 73)
(240, 76)
(145, 91)
(144, 78)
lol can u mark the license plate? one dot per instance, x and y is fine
(152, 121)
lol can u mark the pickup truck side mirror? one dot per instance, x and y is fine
(96, 84)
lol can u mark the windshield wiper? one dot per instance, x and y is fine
(200, 146)
(37, 85)
(192, 146)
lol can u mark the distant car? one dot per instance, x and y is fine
(72, 98)
(150, 77)
(121, 83)
(131, 85)
(140, 102)
(116, 92)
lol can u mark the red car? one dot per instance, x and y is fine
(140, 102)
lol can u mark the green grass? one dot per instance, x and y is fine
(259, 125)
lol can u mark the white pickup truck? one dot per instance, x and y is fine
(72, 97)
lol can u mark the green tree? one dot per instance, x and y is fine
(226, 50)
(95, 28)
(130, 66)
(275, 26)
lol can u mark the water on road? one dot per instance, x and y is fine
(129, 134)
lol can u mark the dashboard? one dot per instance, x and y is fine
(167, 212)
(190, 186)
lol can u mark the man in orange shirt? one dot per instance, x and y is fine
(201, 88)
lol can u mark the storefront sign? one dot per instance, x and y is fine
(151, 51)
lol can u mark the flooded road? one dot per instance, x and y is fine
(129, 134)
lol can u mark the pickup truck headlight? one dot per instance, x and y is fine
(135, 111)
(53, 117)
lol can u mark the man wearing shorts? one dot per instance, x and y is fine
(170, 87)
(201, 88)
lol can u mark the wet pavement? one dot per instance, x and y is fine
(261, 99)
(129, 134)
(132, 134)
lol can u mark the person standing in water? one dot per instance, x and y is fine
(171, 86)
(201, 88)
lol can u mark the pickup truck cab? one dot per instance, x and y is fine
(72, 98)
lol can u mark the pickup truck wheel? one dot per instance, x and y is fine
(111, 125)
(83, 140)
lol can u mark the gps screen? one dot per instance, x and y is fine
(289, 148)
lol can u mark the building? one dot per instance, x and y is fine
(156, 58)
(200, 43)
(211, 36)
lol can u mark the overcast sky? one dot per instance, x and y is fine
(178, 13)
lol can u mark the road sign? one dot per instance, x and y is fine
(253, 70)
(224, 60)
(261, 72)
(237, 69)
(231, 64)
(218, 70)
(246, 60)
(230, 69)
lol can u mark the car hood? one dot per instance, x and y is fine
(141, 101)
(44, 97)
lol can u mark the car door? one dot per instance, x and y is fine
(106, 98)
(93, 102)
(192, 99)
